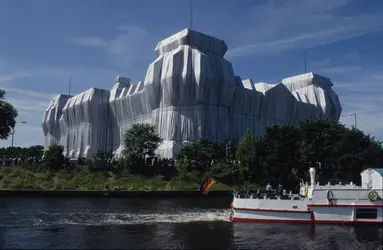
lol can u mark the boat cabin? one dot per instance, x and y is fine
(372, 178)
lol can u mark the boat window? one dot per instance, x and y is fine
(366, 213)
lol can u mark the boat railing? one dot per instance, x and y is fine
(346, 194)
(338, 186)
(265, 195)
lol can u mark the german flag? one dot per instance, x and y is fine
(206, 185)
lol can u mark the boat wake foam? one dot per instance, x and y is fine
(105, 218)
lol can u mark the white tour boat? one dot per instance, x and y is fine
(317, 204)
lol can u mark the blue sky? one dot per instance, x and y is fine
(43, 42)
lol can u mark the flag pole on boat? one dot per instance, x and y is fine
(209, 182)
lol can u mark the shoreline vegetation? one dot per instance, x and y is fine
(282, 155)
(154, 194)
(81, 179)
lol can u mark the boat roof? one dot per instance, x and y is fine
(379, 170)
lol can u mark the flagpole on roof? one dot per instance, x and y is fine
(191, 15)
(70, 83)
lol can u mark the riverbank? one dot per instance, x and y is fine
(111, 194)
(24, 180)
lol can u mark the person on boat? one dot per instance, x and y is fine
(258, 194)
(107, 188)
(274, 194)
(117, 188)
(269, 189)
(280, 190)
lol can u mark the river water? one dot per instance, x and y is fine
(192, 223)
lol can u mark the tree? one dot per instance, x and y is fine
(317, 140)
(140, 142)
(54, 157)
(280, 154)
(100, 159)
(35, 151)
(247, 155)
(342, 152)
(227, 172)
(201, 154)
(356, 151)
(8, 115)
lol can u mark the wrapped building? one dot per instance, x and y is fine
(190, 92)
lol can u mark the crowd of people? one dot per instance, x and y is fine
(18, 161)
(269, 192)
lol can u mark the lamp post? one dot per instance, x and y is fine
(13, 132)
(354, 114)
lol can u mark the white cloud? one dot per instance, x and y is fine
(28, 93)
(277, 26)
(346, 63)
(6, 78)
(339, 69)
(361, 93)
(30, 105)
(114, 13)
(40, 83)
(90, 41)
(30, 87)
(268, 28)
(55, 79)
(132, 45)
(360, 90)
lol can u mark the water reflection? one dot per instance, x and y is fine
(249, 235)
(161, 223)
(208, 235)
(368, 233)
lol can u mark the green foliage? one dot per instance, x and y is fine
(282, 154)
(100, 159)
(201, 154)
(82, 179)
(34, 151)
(227, 172)
(140, 142)
(202, 158)
(249, 156)
(54, 158)
(8, 115)
(182, 166)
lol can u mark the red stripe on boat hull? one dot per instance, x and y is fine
(344, 205)
(233, 219)
(270, 210)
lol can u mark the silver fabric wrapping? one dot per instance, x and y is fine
(190, 91)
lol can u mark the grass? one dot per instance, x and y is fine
(20, 177)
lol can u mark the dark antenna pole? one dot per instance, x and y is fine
(191, 15)
(305, 61)
(70, 83)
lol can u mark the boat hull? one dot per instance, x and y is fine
(325, 214)
(315, 204)
(270, 215)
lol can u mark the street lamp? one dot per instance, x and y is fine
(354, 114)
(13, 132)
